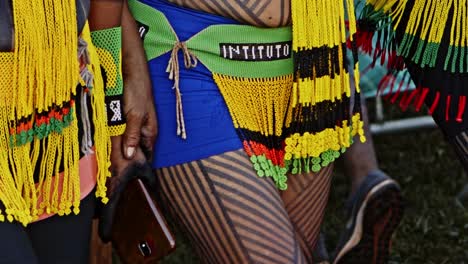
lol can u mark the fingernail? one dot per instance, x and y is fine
(130, 151)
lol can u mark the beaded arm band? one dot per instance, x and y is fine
(108, 44)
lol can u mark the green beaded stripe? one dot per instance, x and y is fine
(161, 39)
(40, 132)
(420, 51)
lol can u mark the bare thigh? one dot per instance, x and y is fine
(305, 201)
(230, 214)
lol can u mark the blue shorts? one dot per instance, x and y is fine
(210, 130)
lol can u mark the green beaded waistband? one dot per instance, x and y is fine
(267, 51)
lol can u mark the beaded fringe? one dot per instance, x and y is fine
(40, 129)
(265, 121)
(425, 26)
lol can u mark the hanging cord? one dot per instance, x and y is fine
(190, 61)
(88, 80)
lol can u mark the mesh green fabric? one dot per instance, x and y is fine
(108, 43)
(161, 39)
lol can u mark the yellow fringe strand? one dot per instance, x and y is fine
(102, 132)
(41, 74)
(321, 24)
(319, 34)
(285, 122)
(425, 28)
(42, 54)
(257, 104)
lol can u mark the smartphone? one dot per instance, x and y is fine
(140, 233)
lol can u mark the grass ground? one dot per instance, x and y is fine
(434, 228)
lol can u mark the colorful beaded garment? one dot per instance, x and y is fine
(39, 131)
(428, 34)
(301, 122)
(293, 112)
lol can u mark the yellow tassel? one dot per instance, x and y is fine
(42, 73)
(325, 28)
(256, 104)
(101, 134)
(299, 146)
(321, 38)
(42, 54)
(427, 22)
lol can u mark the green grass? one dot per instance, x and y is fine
(434, 228)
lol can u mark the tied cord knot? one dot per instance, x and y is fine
(190, 61)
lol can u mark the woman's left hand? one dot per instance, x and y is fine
(142, 126)
(138, 99)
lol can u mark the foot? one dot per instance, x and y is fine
(373, 213)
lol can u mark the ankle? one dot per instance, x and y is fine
(358, 176)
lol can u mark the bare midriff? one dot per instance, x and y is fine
(261, 13)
